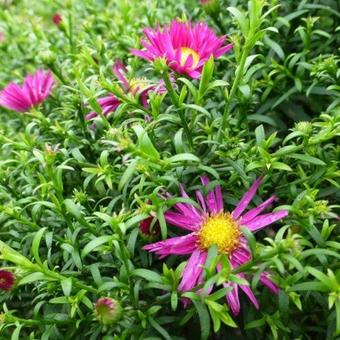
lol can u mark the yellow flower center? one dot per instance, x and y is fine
(221, 230)
(186, 52)
(137, 84)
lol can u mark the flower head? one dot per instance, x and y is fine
(211, 225)
(57, 19)
(137, 87)
(107, 310)
(35, 90)
(185, 46)
(2, 37)
(146, 230)
(7, 280)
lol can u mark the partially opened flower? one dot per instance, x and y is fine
(149, 230)
(35, 90)
(7, 280)
(211, 225)
(184, 45)
(136, 86)
(107, 310)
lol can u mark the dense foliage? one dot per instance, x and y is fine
(73, 192)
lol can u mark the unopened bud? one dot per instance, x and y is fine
(107, 310)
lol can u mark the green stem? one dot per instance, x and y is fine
(176, 102)
(239, 74)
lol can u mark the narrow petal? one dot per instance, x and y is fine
(182, 221)
(246, 199)
(193, 270)
(232, 298)
(219, 198)
(210, 199)
(246, 289)
(174, 246)
(240, 256)
(254, 212)
(262, 221)
(265, 280)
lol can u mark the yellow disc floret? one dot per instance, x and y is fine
(221, 230)
(137, 84)
(186, 52)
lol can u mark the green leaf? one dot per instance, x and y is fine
(183, 157)
(144, 142)
(73, 209)
(241, 19)
(98, 241)
(36, 245)
(66, 285)
(208, 70)
(16, 333)
(128, 173)
(307, 158)
(33, 277)
(148, 275)
(204, 319)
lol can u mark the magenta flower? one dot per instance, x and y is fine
(7, 280)
(35, 90)
(185, 46)
(136, 86)
(212, 225)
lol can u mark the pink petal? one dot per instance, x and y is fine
(246, 289)
(210, 199)
(262, 221)
(254, 212)
(182, 221)
(193, 270)
(120, 71)
(265, 280)
(232, 298)
(180, 245)
(246, 199)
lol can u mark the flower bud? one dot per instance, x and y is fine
(304, 127)
(7, 280)
(211, 7)
(147, 231)
(107, 310)
(57, 19)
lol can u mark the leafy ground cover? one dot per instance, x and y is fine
(98, 239)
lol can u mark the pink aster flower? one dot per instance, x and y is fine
(136, 86)
(185, 46)
(7, 280)
(212, 225)
(2, 37)
(35, 90)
